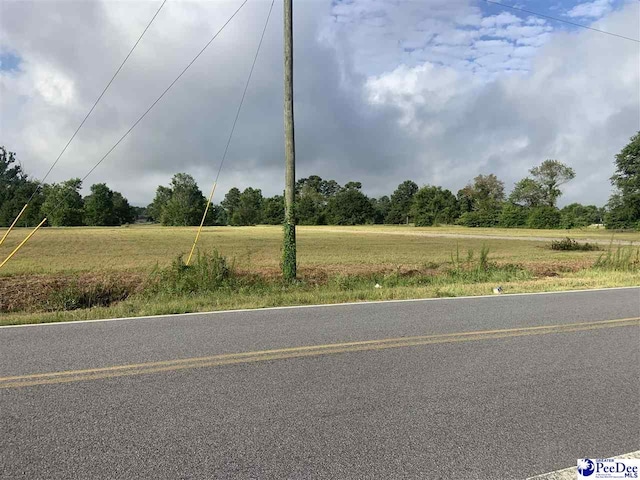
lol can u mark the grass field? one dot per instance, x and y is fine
(335, 264)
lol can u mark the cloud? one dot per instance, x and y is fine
(595, 9)
(434, 91)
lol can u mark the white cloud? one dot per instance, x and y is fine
(385, 91)
(595, 9)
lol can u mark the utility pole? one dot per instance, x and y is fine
(289, 250)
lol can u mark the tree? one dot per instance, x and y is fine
(231, 202)
(513, 215)
(550, 175)
(527, 193)
(544, 216)
(349, 207)
(155, 208)
(328, 188)
(434, 205)
(624, 204)
(273, 210)
(381, 208)
(487, 192)
(186, 203)
(576, 215)
(249, 210)
(15, 191)
(465, 199)
(123, 211)
(313, 182)
(216, 215)
(400, 204)
(310, 206)
(98, 206)
(481, 202)
(63, 204)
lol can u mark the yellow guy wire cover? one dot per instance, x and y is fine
(15, 250)
(6, 234)
(206, 209)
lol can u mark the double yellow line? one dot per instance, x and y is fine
(299, 352)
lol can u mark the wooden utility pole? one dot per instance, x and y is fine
(289, 250)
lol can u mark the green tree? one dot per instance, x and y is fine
(465, 199)
(155, 208)
(124, 212)
(550, 175)
(231, 202)
(527, 193)
(15, 191)
(273, 210)
(484, 197)
(434, 205)
(63, 204)
(186, 204)
(381, 208)
(216, 215)
(310, 205)
(249, 210)
(513, 215)
(400, 204)
(544, 216)
(98, 206)
(349, 207)
(624, 205)
(576, 215)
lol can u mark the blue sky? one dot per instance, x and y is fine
(9, 62)
(437, 91)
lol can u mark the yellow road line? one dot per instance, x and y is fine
(298, 352)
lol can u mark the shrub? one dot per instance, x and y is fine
(544, 217)
(208, 273)
(570, 244)
(513, 216)
(479, 219)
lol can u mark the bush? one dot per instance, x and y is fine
(513, 215)
(544, 217)
(570, 244)
(208, 273)
(479, 219)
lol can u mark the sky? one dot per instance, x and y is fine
(435, 91)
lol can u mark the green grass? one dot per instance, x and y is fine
(283, 295)
(332, 249)
(336, 264)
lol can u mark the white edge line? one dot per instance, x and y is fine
(291, 307)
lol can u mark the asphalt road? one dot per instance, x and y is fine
(178, 397)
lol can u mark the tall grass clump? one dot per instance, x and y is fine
(624, 258)
(472, 270)
(209, 272)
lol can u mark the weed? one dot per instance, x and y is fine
(208, 273)
(571, 245)
(622, 259)
(75, 296)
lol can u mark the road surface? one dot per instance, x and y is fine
(497, 387)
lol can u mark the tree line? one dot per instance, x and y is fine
(61, 203)
(532, 202)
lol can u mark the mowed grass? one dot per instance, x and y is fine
(336, 264)
(331, 249)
